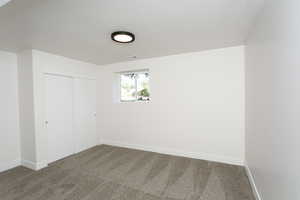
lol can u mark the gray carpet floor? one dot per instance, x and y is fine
(113, 173)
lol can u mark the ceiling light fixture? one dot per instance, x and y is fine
(122, 37)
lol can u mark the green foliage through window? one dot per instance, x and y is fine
(135, 86)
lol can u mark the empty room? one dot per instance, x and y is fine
(149, 100)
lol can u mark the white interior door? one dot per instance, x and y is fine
(59, 116)
(85, 113)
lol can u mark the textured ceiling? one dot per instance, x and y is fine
(81, 29)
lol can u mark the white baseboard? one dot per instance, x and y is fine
(33, 165)
(252, 182)
(202, 156)
(10, 165)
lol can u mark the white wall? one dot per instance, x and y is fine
(196, 108)
(273, 101)
(33, 64)
(9, 117)
(26, 108)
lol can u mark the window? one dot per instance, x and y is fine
(134, 86)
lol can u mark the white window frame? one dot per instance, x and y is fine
(120, 84)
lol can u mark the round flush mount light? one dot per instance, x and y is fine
(122, 37)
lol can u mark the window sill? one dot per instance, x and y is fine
(124, 102)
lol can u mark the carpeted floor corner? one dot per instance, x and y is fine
(113, 173)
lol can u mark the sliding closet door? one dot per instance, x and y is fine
(85, 113)
(59, 116)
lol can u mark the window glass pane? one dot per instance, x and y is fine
(143, 92)
(128, 87)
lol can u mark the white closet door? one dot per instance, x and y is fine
(59, 116)
(85, 113)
